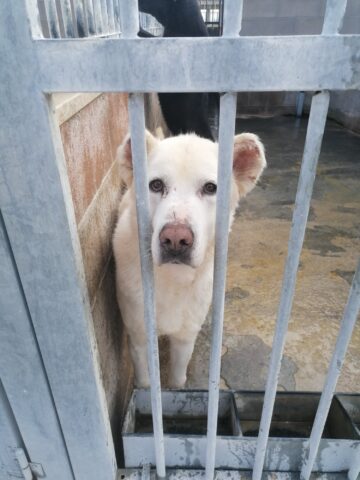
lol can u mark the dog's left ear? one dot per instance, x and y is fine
(124, 155)
(249, 161)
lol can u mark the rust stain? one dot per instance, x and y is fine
(90, 139)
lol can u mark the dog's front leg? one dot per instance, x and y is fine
(138, 351)
(180, 354)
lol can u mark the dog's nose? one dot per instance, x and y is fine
(176, 238)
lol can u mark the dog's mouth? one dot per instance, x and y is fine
(181, 259)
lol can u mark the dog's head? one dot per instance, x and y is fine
(182, 174)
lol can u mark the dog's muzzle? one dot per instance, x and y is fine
(176, 242)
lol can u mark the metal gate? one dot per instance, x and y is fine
(47, 325)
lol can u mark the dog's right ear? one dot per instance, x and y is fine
(124, 156)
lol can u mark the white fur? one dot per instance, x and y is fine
(182, 292)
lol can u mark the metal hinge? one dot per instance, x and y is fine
(28, 469)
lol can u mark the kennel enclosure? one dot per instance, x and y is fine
(56, 422)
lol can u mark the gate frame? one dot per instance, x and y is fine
(35, 198)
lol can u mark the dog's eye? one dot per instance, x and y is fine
(209, 188)
(157, 185)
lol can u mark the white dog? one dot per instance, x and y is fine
(182, 174)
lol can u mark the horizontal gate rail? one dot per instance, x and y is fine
(169, 65)
(182, 474)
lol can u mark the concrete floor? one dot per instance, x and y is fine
(258, 247)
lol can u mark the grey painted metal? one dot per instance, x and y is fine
(10, 439)
(232, 18)
(234, 451)
(110, 9)
(232, 25)
(98, 16)
(34, 19)
(117, 15)
(334, 16)
(354, 470)
(38, 213)
(80, 19)
(129, 19)
(104, 16)
(181, 474)
(284, 454)
(337, 360)
(23, 376)
(66, 14)
(300, 104)
(180, 403)
(52, 18)
(23, 464)
(138, 146)
(315, 131)
(200, 64)
(225, 164)
(146, 472)
(89, 14)
(302, 63)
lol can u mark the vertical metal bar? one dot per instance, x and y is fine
(225, 163)
(354, 471)
(89, 14)
(315, 131)
(226, 144)
(334, 16)
(130, 26)
(232, 17)
(52, 18)
(98, 16)
(36, 11)
(58, 301)
(10, 438)
(337, 360)
(221, 18)
(81, 26)
(129, 18)
(320, 104)
(26, 400)
(23, 464)
(146, 472)
(300, 104)
(104, 17)
(117, 15)
(110, 9)
(68, 22)
(138, 146)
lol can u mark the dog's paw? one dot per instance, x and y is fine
(177, 382)
(142, 383)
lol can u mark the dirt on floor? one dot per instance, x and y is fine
(257, 254)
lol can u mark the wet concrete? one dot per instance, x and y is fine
(257, 252)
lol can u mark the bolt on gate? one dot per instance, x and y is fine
(43, 274)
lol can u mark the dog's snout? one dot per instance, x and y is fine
(176, 240)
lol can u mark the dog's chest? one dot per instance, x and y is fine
(182, 308)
